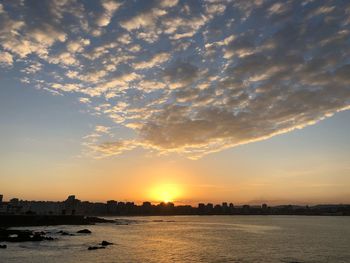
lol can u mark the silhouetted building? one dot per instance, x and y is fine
(146, 204)
(14, 201)
(14, 207)
(112, 207)
(225, 209)
(246, 209)
(70, 205)
(201, 209)
(3, 206)
(146, 208)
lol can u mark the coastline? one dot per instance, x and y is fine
(52, 220)
(49, 220)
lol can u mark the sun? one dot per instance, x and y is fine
(166, 193)
(166, 197)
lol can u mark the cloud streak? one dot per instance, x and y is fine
(185, 76)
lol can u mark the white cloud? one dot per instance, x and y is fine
(6, 59)
(109, 6)
(77, 45)
(85, 100)
(37, 40)
(33, 68)
(102, 129)
(148, 85)
(144, 19)
(125, 39)
(168, 3)
(156, 60)
(64, 58)
(69, 87)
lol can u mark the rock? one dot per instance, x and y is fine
(3, 246)
(120, 221)
(105, 243)
(63, 233)
(122, 224)
(12, 235)
(94, 248)
(93, 220)
(37, 237)
(84, 231)
(163, 221)
(45, 220)
(23, 237)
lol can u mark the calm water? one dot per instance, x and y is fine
(197, 239)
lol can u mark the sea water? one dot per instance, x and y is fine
(195, 239)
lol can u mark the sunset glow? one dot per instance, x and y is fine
(165, 193)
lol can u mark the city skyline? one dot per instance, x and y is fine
(175, 101)
(73, 207)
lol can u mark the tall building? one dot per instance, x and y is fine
(70, 205)
(3, 206)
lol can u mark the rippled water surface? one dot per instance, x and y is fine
(196, 239)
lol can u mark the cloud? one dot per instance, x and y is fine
(149, 85)
(168, 3)
(180, 27)
(37, 40)
(144, 19)
(156, 60)
(84, 100)
(33, 68)
(77, 45)
(116, 84)
(69, 87)
(113, 148)
(102, 129)
(109, 6)
(183, 76)
(34, 29)
(180, 73)
(6, 59)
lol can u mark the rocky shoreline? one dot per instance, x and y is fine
(15, 235)
(10, 235)
(48, 220)
(7, 222)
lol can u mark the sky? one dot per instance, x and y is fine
(184, 101)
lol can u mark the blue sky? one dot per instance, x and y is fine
(194, 82)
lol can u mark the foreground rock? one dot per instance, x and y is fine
(94, 220)
(105, 243)
(64, 233)
(124, 221)
(84, 231)
(95, 248)
(10, 235)
(3, 246)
